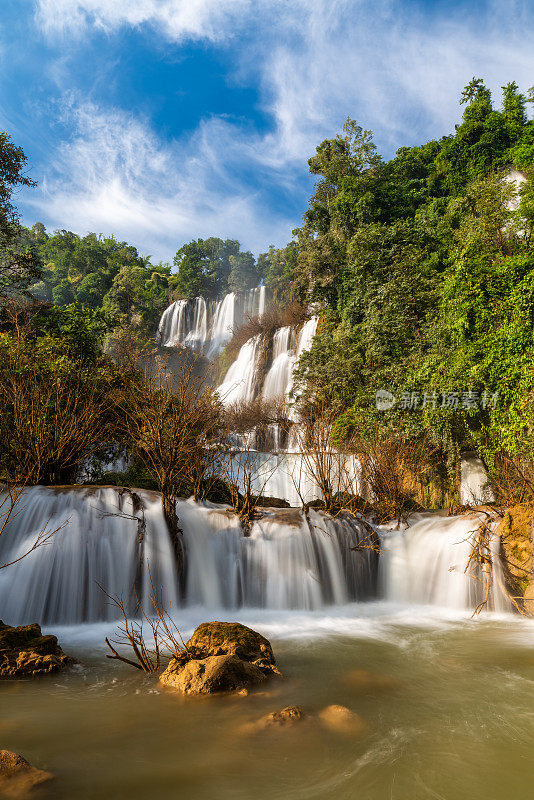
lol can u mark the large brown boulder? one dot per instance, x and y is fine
(221, 657)
(18, 779)
(26, 653)
(213, 674)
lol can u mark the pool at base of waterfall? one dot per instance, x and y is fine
(447, 702)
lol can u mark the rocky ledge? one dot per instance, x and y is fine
(26, 653)
(221, 657)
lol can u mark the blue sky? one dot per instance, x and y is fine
(165, 120)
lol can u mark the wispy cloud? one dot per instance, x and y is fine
(177, 19)
(388, 64)
(116, 175)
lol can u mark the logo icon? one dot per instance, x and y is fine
(384, 400)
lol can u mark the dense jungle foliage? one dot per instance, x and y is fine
(423, 267)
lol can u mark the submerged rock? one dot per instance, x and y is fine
(336, 718)
(365, 681)
(26, 653)
(341, 719)
(286, 718)
(18, 779)
(221, 657)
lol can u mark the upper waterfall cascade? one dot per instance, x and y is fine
(243, 382)
(208, 326)
(289, 561)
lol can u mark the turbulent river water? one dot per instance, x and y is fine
(455, 720)
(447, 700)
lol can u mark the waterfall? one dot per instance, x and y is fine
(208, 327)
(474, 486)
(425, 564)
(240, 381)
(223, 324)
(278, 378)
(308, 331)
(197, 335)
(284, 563)
(172, 324)
(97, 542)
(254, 305)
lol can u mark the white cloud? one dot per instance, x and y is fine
(116, 176)
(177, 19)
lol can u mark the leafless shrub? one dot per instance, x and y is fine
(273, 319)
(167, 640)
(481, 566)
(246, 477)
(330, 469)
(512, 478)
(249, 415)
(396, 470)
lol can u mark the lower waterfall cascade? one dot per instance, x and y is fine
(289, 561)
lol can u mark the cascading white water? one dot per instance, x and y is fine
(98, 541)
(208, 327)
(171, 328)
(286, 562)
(240, 381)
(196, 337)
(254, 305)
(278, 378)
(426, 563)
(224, 322)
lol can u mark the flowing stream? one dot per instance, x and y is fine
(446, 701)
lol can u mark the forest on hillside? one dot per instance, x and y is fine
(421, 267)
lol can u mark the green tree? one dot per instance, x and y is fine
(243, 272)
(18, 266)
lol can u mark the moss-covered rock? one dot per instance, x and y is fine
(26, 653)
(515, 532)
(221, 657)
(232, 638)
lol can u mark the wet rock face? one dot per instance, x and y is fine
(213, 674)
(18, 779)
(221, 657)
(26, 653)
